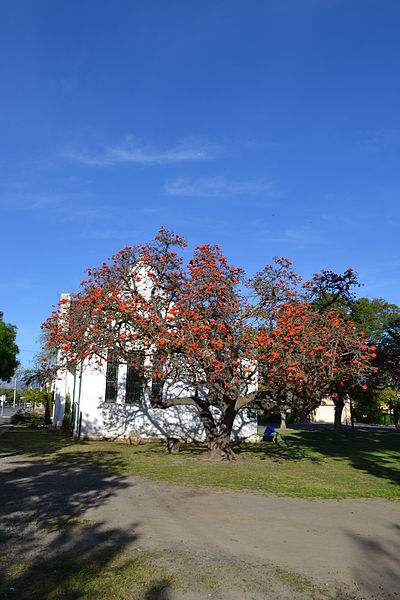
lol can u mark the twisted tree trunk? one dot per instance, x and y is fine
(218, 437)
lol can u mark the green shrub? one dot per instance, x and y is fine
(48, 407)
(28, 420)
(34, 397)
(274, 418)
(66, 422)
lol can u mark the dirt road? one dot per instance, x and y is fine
(352, 545)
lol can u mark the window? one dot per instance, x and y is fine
(134, 393)
(111, 378)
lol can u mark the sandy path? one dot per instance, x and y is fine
(354, 543)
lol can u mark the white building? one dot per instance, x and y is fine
(109, 403)
(325, 413)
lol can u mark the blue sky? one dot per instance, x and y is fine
(271, 127)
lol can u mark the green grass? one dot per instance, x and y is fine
(58, 524)
(311, 464)
(95, 576)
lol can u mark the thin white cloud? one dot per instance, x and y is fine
(33, 201)
(44, 200)
(296, 236)
(103, 234)
(214, 187)
(380, 140)
(133, 153)
(299, 235)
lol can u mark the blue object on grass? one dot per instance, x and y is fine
(269, 431)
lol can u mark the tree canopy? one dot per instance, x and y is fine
(375, 317)
(207, 335)
(8, 350)
(380, 321)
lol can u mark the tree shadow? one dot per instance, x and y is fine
(159, 591)
(377, 571)
(45, 539)
(377, 453)
(33, 443)
(294, 451)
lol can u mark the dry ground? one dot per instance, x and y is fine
(196, 542)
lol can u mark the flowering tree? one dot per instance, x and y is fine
(196, 334)
(321, 355)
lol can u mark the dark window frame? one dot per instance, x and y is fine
(111, 392)
(134, 389)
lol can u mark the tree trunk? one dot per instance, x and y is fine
(351, 414)
(219, 439)
(338, 414)
(219, 447)
(283, 420)
(396, 416)
(301, 417)
(173, 445)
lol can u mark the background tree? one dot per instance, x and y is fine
(8, 350)
(9, 393)
(33, 396)
(375, 317)
(44, 364)
(380, 321)
(48, 406)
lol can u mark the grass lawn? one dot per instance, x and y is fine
(310, 464)
(51, 551)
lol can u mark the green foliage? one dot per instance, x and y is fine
(34, 396)
(66, 422)
(381, 323)
(390, 399)
(367, 407)
(8, 350)
(29, 420)
(48, 407)
(9, 393)
(374, 317)
(372, 406)
(274, 418)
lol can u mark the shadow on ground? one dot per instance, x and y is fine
(292, 451)
(377, 564)
(47, 545)
(375, 452)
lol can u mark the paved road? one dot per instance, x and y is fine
(4, 424)
(349, 543)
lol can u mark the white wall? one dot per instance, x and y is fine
(326, 413)
(64, 384)
(102, 419)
